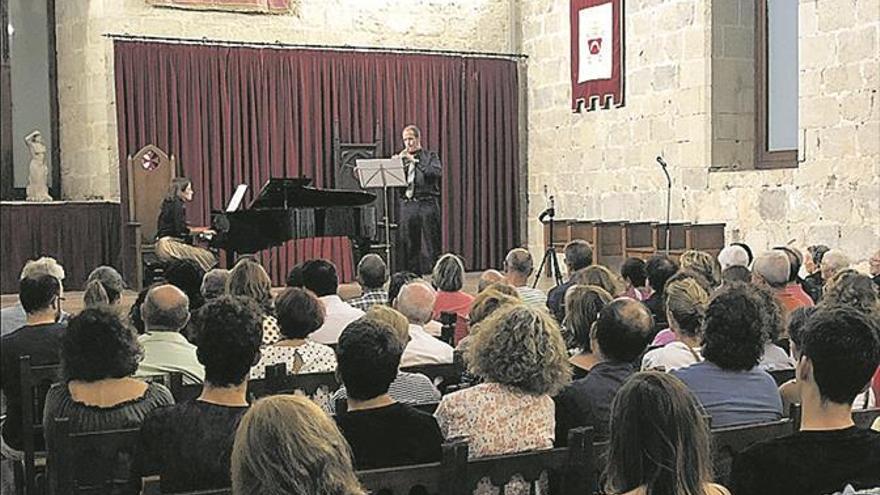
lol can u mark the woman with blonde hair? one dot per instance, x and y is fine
(249, 279)
(520, 353)
(286, 445)
(686, 302)
(703, 263)
(583, 304)
(600, 276)
(659, 440)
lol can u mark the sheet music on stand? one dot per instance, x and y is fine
(382, 173)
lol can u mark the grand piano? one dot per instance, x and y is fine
(289, 208)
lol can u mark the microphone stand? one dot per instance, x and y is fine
(668, 203)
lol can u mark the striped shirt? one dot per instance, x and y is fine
(369, 299)
(409, 388)
(532, 297)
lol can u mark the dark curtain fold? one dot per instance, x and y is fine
(241, 115)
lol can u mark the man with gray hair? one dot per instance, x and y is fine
(372, 273)
(166, 312)
(772, 269)
(416, 302)
(833, 261)
(214, 283)
(733, 255)
(14, 317)
(518, 265)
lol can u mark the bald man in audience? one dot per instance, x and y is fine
(772, 269)
(518, 265)
(488, 278)
(733, 255)
(416, 302)
(166, 312)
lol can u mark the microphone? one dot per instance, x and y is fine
(661, 161)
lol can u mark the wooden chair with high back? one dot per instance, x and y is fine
(730, 441)
(436, 478)
(442, 375)
(35, 383)
(150, 171)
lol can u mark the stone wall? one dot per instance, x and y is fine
(89, 156)
(602, 164)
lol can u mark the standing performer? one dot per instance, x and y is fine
(419, 204)
(173, 233)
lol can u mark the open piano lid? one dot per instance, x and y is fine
(296, 193)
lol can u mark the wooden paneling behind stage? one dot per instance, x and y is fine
(80, 235)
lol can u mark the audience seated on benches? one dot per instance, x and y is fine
(319, 276)
(166, 313)
(248, 278)
(659, 440)
(316, 460)
(686, 303)
(578, 254)
(100, 354)
(189, 444)
(372, 273)
(39, 338)
(520, 354)
(728, 383)
(381, 431)
(583, 303)
(14, 317)
(299, 313)
(619, 337)
(829, 452)
(408, 388)
(660, 268)
(416, 302)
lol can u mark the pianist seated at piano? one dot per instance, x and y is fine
(174, 236)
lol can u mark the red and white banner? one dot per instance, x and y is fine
(596, 54)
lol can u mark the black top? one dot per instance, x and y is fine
(812, 285)
(43, 344)
(189, 445)
(587, 402)
(556, 300)
(172, 219)
(428, 175)
(809, 462)
(658, 310)
(577, 372)
(393, 435)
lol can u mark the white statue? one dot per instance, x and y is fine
(38, 187)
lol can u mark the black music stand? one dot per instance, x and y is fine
(384, 173)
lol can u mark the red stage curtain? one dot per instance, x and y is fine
(241, 115)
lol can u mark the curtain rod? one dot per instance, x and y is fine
(293, 46)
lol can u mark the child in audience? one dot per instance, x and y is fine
(315, 459)
(659, 440)
(381, 431)
(840, 351)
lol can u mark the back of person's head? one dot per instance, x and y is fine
(686, 302)
(660, 267)
(315, 458)
(733, 255)
(599, 276)
(228, 337)
(249, 279)
(186, 275)
(659, 438)
(623, 330)
(703, 263)
(42, 266)
(489, 277)
(372, 272)
(214, 283)
(521, 347)
(489, 301)
(397, 281)
(97, 345)
(367, 357)
(416, 302)
(797, 322)
(448, 274)
(519, 261)
(39, 293)
(295, 276)
(771, 267)
(633, 270)
(736, 273)
(392, 319)
(578, 254)
(842, 346)
(319, 276)
(165, 307)
(851, 288)
(832, 262)
(104, 286)
(582, 306)
(771, 313)
(745, 248)
(817, 252)
(795, 260)
(734, 332)
(299, 313)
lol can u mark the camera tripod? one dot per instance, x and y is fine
(550, 260)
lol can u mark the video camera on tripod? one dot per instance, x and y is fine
(549, 259)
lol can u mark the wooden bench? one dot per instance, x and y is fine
(35, 382)
(442, 375)
(730, 441)
(93, 462)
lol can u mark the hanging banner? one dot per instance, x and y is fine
(596, 54)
